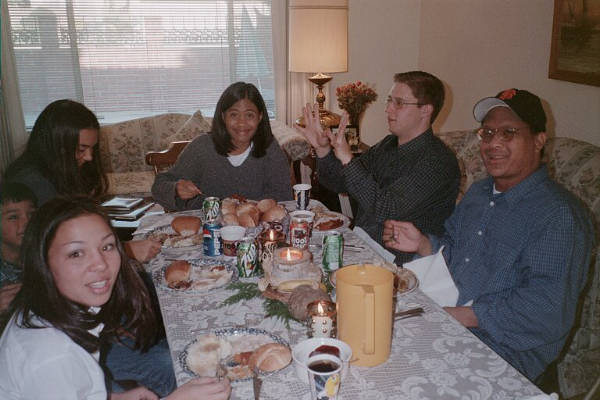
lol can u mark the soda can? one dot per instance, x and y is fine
(211, 208)
(247, 257)
(333, 250)
(299, 233)
(211, 239)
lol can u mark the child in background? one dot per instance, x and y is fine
(17, 204)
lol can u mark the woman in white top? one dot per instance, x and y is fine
(77, 288)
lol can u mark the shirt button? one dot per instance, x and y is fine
(467, 259)
(480, 233)
(492, 204)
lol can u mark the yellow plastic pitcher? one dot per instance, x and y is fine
(364, 295)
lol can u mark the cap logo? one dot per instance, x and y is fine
(507, 94)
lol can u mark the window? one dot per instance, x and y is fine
(132, 58)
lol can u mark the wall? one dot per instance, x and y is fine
(383, 38)
(479, 47)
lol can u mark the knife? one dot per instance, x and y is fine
(256, 383)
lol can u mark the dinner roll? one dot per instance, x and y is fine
(246, 221)
(228, 207)
(178, 271)
(250, 209)
(265, 205)
(276, 213)
(270, 357)
(186, 225)
(230, 219)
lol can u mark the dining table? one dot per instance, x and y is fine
(432, 355)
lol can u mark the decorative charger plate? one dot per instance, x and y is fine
(234, 334)
(407, 280)
(158, 276)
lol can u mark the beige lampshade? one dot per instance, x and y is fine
(318, 35)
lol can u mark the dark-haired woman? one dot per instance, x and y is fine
(239, 156)
(78, 287)
(62, 158)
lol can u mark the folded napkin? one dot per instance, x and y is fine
(376, 247)
(434, 279)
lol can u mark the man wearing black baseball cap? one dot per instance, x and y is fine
(518, 245)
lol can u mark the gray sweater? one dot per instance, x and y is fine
(256, 178)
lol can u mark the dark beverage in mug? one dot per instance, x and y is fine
(323, 366)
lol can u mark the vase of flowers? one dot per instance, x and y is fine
(354, 99)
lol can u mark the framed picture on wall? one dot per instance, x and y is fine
(575, 51)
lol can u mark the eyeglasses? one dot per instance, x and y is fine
(505, 134)
(399, 103)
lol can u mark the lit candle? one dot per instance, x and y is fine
(321, 318)
(292, 254)
(269, 241)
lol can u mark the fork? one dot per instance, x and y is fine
(221, 370)
(256, 383)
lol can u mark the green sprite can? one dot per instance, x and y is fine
(333, 250)
(247, 257)
(211, 208)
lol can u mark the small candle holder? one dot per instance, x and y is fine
(322, 319)
(272, 236)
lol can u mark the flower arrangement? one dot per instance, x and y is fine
(354, 98)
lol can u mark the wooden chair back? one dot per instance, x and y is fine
(162, 160)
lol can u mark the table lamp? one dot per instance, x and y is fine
(318, 43)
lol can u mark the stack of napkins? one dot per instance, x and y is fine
(435, 279)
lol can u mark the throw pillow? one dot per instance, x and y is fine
(196, 125)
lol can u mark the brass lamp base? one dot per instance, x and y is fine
(327, 118)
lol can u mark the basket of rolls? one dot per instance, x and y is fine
(267, 213)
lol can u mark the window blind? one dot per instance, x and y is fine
(131, 58)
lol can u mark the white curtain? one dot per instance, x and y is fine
(12, 126)
(292, 89)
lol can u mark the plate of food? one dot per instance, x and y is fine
(405, 280)
(326, 220)
(184, 231)
(195, 275)
(236, 350)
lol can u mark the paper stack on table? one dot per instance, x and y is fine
(435, 279)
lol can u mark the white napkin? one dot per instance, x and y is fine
(434, 278)
(377, 248)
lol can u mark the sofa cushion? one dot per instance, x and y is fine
(195, 126)
(123, 146)
(130, 182)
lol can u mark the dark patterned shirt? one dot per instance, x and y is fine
(417, 182)
(9, 273)
(522, 256)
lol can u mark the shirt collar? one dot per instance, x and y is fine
(513, 195)
(412, 146)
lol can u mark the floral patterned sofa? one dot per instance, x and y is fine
(575, 165)
(123, 146)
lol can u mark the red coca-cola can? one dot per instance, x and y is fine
(299, 233)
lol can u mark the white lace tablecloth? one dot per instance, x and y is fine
(432, 356)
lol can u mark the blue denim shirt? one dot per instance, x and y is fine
(522, 256)
(9, 273)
